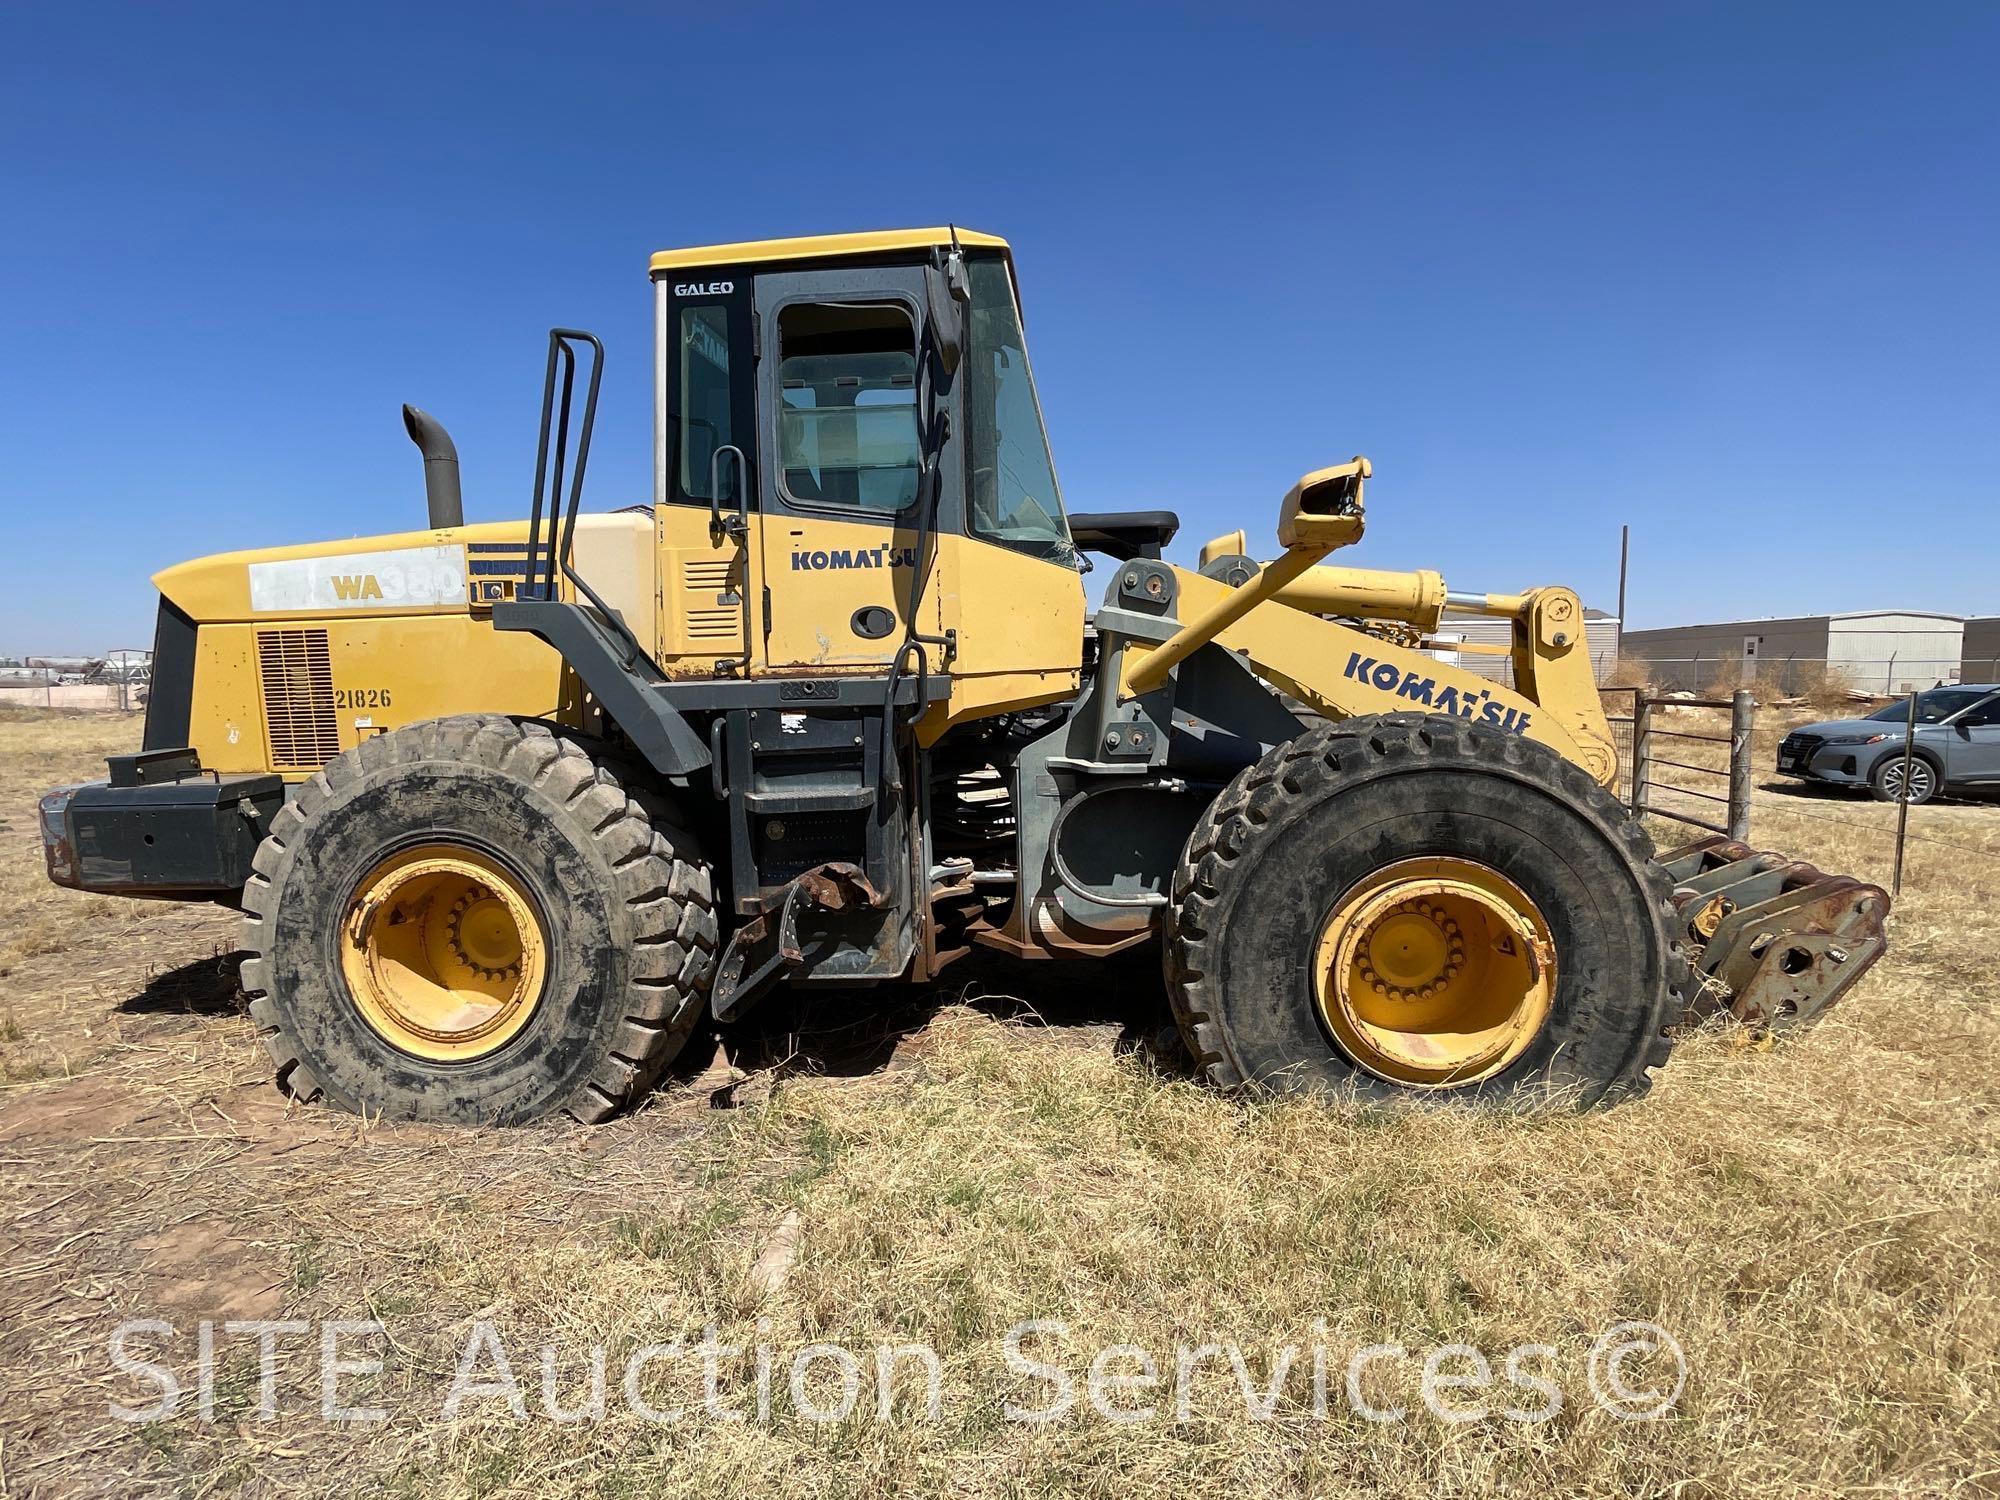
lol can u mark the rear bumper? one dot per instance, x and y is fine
(159, 826)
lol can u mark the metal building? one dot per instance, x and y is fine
(1885, 651)
(1600, 633)
(1979, 656)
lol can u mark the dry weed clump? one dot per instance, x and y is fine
(1816, 1225)
(1813, 684)
(1629, 672)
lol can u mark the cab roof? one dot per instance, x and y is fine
(820, 247)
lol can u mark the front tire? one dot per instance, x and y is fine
(472, 920)
(1410, 905)
(1886, 780)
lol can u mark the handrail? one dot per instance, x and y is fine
(549, 480)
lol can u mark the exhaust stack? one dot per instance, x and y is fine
(441, 489)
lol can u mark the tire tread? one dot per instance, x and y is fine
(658, 870)
(1316, 763)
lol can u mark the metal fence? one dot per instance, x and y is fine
(120, 695)
(1878, 677)
(1655, 747)
(1500, 669)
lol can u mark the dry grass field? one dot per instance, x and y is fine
(1816, 1226)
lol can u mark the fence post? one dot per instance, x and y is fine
(1742, 722)
(1903, 802)
(1642, 750)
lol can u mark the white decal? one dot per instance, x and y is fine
(404, 578)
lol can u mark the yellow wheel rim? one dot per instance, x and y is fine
(1435, 973)
(443, 953)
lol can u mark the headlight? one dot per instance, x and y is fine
(56, 850)
(1858, 739)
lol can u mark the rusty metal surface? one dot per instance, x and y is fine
(766, 947)
(833, 886)
(838, 886)
(1777, 941)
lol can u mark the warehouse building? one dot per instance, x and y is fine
(1885, 651)
(1979, 656)
(1600, 633)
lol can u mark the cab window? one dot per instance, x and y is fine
(705, 398)
(1933, 707)
(847, 413)
(1015, 501)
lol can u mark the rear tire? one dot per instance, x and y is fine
(613, 921)
(1283, 868)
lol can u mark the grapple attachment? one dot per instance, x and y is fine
(1777, 941)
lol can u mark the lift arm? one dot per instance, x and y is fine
(1274, 619)
(1343, 672)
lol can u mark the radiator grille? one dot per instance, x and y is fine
(299, 722)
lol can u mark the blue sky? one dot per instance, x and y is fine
(1725, 271)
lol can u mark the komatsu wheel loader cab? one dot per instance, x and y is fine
(510, 806)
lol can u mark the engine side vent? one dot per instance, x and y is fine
(713, 610)
(715, 624)
(707, 575)
(299, 722)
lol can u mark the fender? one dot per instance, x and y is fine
(626, 683)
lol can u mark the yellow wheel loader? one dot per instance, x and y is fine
(509, 807)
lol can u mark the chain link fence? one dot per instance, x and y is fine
(1788, 676)
(121, 694)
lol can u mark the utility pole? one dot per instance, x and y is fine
(1624, 552)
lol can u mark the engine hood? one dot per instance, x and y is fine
(410, 572)
(1838, 729)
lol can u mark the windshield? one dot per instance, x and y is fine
(1015, 501)
(1933, 707)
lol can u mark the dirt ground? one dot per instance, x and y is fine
(1815, 1225)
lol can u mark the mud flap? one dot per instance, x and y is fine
(1777, 941)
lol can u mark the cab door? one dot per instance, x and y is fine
(705, 474)
(841, 383)
(1972, 743)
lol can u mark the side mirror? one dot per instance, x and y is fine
(947, 290)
